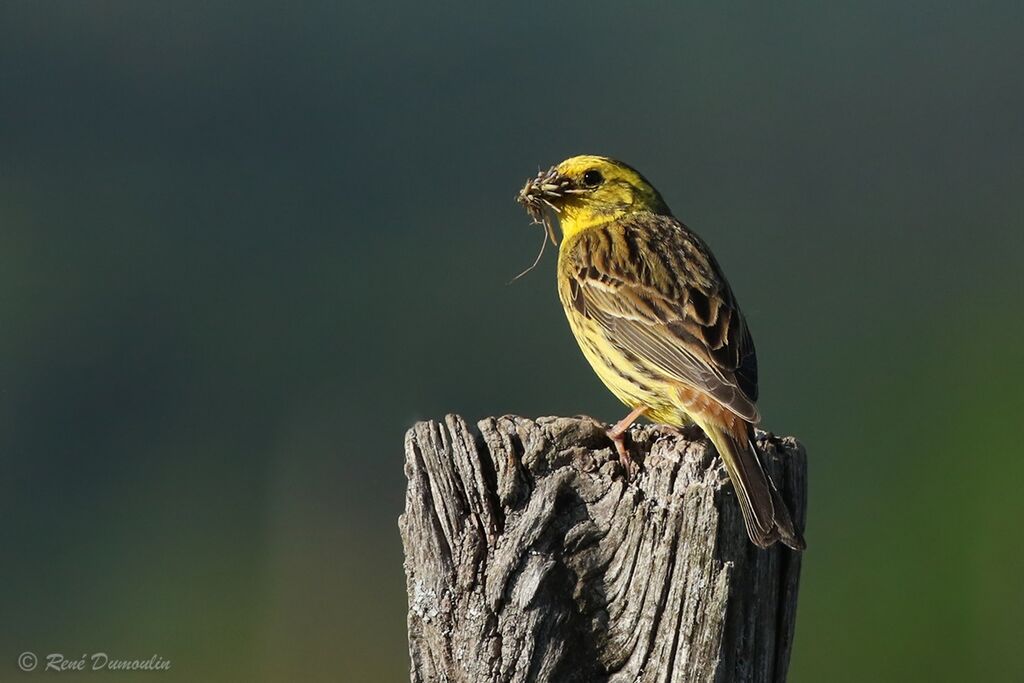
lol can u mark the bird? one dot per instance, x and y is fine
(656, 318)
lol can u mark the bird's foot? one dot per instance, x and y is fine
(618, 436)
(629, 466)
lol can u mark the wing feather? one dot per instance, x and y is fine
(668, 305)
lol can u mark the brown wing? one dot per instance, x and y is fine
(658, 295)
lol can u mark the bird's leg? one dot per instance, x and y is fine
(622, 425)
(618, 436)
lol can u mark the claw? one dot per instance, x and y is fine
(629, 466)
(618, 436)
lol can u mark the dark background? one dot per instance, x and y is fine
(243, 246)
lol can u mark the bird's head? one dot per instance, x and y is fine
(585, 191)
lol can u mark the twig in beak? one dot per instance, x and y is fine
(550, 229)
(543, 243)
(553, 207)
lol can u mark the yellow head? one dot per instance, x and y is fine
(586, 191)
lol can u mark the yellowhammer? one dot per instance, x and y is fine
(655, 317)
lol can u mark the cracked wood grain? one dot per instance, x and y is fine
(529, 558)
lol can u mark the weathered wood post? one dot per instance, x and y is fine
(530, 558)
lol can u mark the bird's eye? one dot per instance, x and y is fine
(592, 178)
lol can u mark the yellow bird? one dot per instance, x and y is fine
(656, 318)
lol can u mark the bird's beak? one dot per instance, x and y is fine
(544, 192)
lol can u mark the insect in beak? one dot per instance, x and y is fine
(540, 197)
(542, 194)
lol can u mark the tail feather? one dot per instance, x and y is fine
(765, 513)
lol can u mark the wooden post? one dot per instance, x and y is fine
(529, 558)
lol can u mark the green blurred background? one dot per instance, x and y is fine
(243, 246)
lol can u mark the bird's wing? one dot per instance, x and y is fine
(660, 298)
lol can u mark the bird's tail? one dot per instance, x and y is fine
(765, 513)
